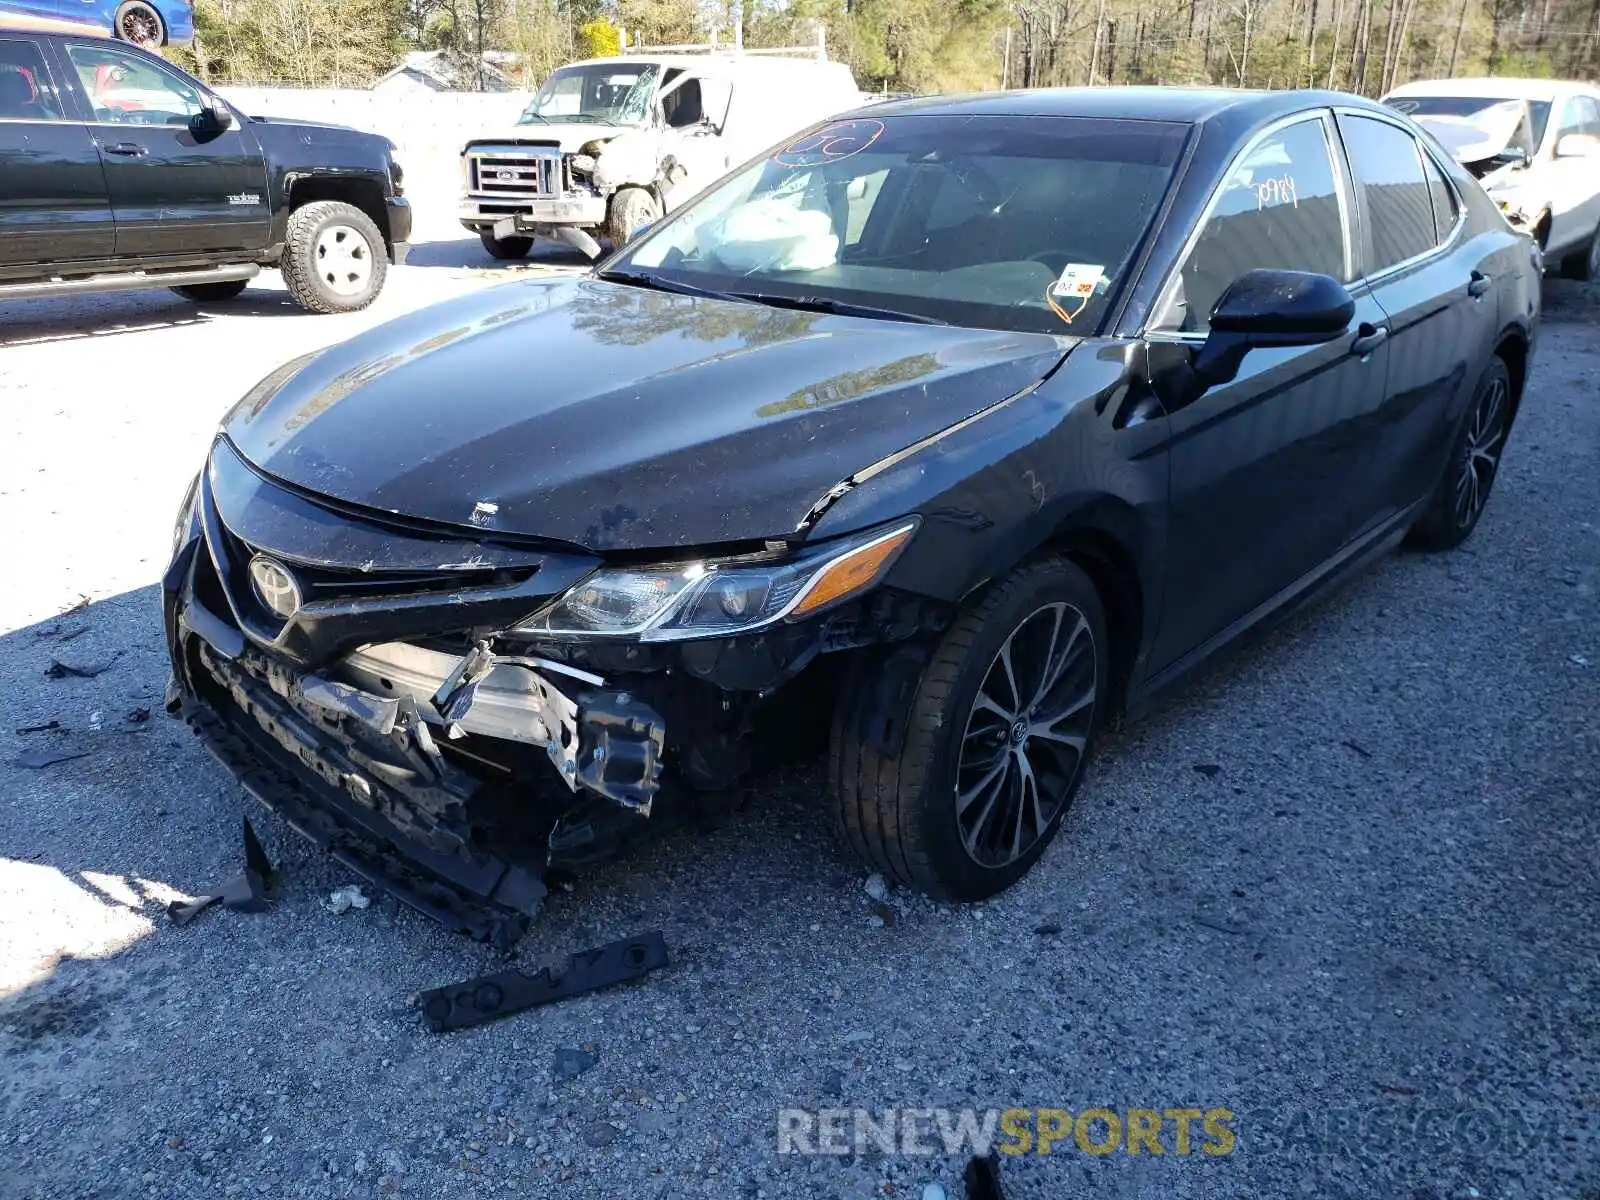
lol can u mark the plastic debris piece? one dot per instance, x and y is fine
(876, 888)
(37, 759)
(935, 1191)
(345, 898)
(246, 892)
(39, 728)
(569, 1063)
(60, 670)
(490, 997)
(983, 1179)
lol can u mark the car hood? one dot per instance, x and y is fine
(1476, 141)
(614, 417)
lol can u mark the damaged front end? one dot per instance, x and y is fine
(455, 717)
(1495, 144)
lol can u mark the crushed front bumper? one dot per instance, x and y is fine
(508, 217)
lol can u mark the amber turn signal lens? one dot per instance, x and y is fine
(850, 573)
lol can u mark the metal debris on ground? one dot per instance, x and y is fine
(246, 892)
(490, 997)
(983, 1179)
(345, 898)
(37, 759)
(60, 670)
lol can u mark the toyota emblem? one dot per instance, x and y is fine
(506, 176)
(274, 587)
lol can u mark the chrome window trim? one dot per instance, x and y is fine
(1439, 247)
(1347, 210)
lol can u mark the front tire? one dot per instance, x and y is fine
(631, 208)
(1585, 264)
(139, 24)
(210, 293)
(334, 260)
(997, 733)
(1474, 461)
(505, 249)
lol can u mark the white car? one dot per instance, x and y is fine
(1535, 146)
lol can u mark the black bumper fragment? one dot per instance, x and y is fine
(490, 997)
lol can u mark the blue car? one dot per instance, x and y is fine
(148, 23)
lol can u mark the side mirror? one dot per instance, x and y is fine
(214, 117)
(1271, 308)
(1578, 145)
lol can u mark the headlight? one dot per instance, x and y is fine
(716, 598)
(185, 524)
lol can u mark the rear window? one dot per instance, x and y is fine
(24, 85)
(995, 222)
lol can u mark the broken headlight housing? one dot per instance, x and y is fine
(718, 598)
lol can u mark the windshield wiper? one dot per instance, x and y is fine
(838, 308)
(661, 284)
(523, 120)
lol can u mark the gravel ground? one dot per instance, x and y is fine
(1343, 887)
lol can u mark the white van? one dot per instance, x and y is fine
(610, 144)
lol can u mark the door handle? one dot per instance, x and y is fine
(127, 150)
(1479, 284)
(1368, 339)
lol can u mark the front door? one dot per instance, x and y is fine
(176, 188)
(694, 108)
(53, 204)
(1267, 481)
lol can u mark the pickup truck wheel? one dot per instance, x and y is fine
(505, 248)
(207, 293)
(334, 260)
(630, 208)
(1585, 264)
(997, 730)
(139, 23)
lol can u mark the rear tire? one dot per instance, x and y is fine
(630, 208)
(1474, 462)
(980, 782)
(139, 24)
(1585, 264)
(505, 248)
(210, 293)
(334, 260)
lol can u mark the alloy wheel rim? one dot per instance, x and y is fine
(1026, 734)
(344, 260)
(1485, 436)
(140, 27)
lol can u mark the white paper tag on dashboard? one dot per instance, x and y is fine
(1078, 280)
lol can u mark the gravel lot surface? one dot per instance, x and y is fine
(1344, 886)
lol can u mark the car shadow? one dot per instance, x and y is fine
(110, 314)
(468, 253)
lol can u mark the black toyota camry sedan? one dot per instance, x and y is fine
(935, 436)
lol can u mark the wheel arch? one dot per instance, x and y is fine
(358, 191)
(1513, 348)
(1108, 557)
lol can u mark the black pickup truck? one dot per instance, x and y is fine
(119, 171)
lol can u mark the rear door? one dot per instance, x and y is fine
(175, 187)
(53, 202)
(1440, 295)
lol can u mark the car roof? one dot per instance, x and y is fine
(1185, 105)
(1494, 87)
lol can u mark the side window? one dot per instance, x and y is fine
(1589, 110)
(25, 93)
(128, 89)
(1387, 165)
(1278, 207)
(1572, 117)
(1443, 197)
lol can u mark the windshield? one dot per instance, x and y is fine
(1466, 106)
(601, 93)
(993, 222)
